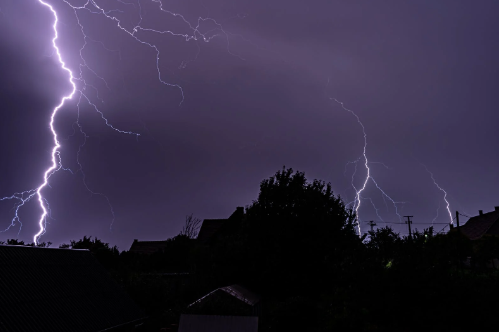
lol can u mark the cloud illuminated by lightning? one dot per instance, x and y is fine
(75, 80)
(77, 77)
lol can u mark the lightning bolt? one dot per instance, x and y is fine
(136, 34)
(75, 80)
(55, 155)
(356, 203)
(56, 164)
(22, 198)
(436, 217)
(442, 190)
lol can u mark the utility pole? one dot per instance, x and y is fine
(409, 222)
(372, 224)
(459, 263)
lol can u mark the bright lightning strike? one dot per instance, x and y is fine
(136, 32)
(442, 190)
(56, 162)
(75, 79)
(56, 165)
(358, 191)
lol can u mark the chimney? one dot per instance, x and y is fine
(480, 212)
(496, 208)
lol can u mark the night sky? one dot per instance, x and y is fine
(422, 76)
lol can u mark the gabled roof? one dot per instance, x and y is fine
(45, 289)
(236, 291)
(242, 294)
(213, 323)
(209, 228)
(147, 247)
(483, 224)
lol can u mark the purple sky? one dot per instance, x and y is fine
(421, 75)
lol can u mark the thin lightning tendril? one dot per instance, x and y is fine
(357, 200)
(22, 200)
(80, 169)
(447, 207)
(436, 217)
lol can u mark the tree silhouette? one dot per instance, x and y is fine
(16, 242)
(107, 255)
(191, 227)
(295, 229)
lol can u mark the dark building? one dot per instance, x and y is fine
(147, 247)
(46, 289)
(211, 228)
(234, 300)
(231, 308)
(483, 224)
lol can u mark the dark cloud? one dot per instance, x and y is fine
(422, 76)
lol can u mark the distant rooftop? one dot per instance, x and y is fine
(48, 289)
(237, 291)
(147, 247)
(483, 224)
(211, 227)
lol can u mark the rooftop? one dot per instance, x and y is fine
(483, 224)
(147, 247)
(211, 227)
(236, 291)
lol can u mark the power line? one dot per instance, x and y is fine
(372, 224)
(409, 222)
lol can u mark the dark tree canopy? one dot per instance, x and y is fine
(16, 242)
(288, 203)
(294, 228)
(106, 254)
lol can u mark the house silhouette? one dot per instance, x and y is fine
(483, 224)
(211, 228)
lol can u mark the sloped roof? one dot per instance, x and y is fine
(147, 247)
(209, 228)
(242, 294)
(484, 224)
(236, 291)
(213, 323)
(45, 289)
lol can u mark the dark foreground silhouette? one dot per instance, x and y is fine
(296, 247)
